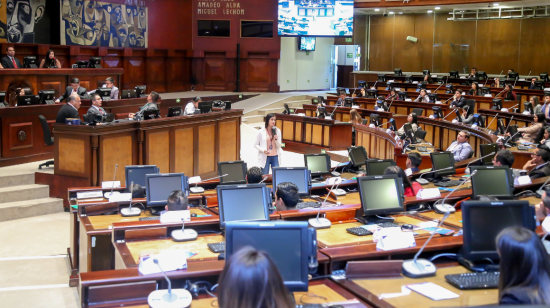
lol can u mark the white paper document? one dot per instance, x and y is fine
(432, 291)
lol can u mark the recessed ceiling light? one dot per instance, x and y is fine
(400, 13)
(376, 10)
(430, 11)
(496, 4)
(437, 8)
(391, 12)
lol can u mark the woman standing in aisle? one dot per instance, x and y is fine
(268, 144)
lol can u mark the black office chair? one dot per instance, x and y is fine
(471, 154)
(540, 135)
(420, 134)
(48, 139)
(418, 111)
(86, 117)
(471, 106)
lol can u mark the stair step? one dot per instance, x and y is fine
(23, 192)
(29, 208)
(9, 180)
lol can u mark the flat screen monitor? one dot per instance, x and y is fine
(214, 28)
(443, 160)
(235, 170)
(205, 107)
(174, 112)
(501, 127)
(104, 93)
(2, 96)
(378, 166)
(150, 114)
(306, 44)
(232, 205)
(315, 18)
(128, 94)
(137, 174)
(486, 149)
(27, 100)
(47, 96)
(492, 181)
(257, 28)
(358, 156)
(299, 176)
(381, 194)
(286, 242)
(318, 164)
(29, 62)
(513, 130)
(481, 228)
(159, 186)
(140, 91)
(94, 62)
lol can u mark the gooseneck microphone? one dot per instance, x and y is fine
(444, 208)
(200, 190)
(109, 194)
(184, 235)
(170, 297)
(322, 223)
(492, 153)
(128, 212)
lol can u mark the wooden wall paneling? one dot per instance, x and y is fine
(381, 43)
(54, 83)
(155, 70)
(176, 71)
(402, 110)
(429, 133)
(317, 134)
(346, 117)
(298, 133)
(535, 46)
(497, 44)
(183, 151)
(121, 151)
(134, 72)
(288, 130)
(309, 128)
(215, 70)
(228, 134)
(326, 135)
(206, 150)
(20, 136)
(257, 70)
(421, 27)
(73, 150)
(367, 144)
(454, 44)
(157, 143)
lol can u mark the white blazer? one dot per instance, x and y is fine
(261, 145)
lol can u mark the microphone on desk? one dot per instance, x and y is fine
(322, 223)
(443, 208)
(500, 92)
(390, 103)
(263, 180)
(446, 116)
(435, 91)
(511, 138)
(508, 109)
(528, 74)
(330, 117)
(107, 195)
(492, 153)
(200, 190)
(419, 180)
(128, 212)
(418, 268)
(541, 189)
(169, 298)
(486, 82)
(487, 128)
(510, 122)
(374, 87)
(183, 235)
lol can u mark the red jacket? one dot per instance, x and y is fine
(410, 193)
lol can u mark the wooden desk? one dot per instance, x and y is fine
(343, 113)
(519, 119)
(370, 289)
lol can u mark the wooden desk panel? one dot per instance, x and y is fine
(105, 222)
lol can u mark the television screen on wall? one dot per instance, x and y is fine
(306, 43)
(214, 28)
(250, 28)
(315, 18)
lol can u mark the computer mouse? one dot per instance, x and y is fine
(193, 215)
(407, 227)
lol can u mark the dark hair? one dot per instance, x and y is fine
(7, 48)
(474, 68)
(75, 80)
(49, 61)
(505, 158)
(95, 96)
(476, 84)
(535, 78)
(509, 85)
(154, 96)
(415, 118)
(459, 91)
(177, 201)
(254, 175)
(536, 99)
(110, 79)
(137, 191)
(250, 279)
(543, 152)
(196, 99)
(541, 118)
(511, 69)
(289, 193)
(547, 128)
(524, 266)
(415, 159)
(400, 173)
(466, 133)
(267, 118)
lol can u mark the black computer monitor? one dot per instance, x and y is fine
(485, 90)
(513, 76)
(479, 120)
(527, 106)
(205, 107)
(29, 62)
(382, 77)
(438, 113)
(372, 93)
(493, 181)
(348, 102)
(420, 86)
(486, 149)
(47, 97)
(497, 104)
(322, 112)
(159, 186)
(104, 93)
(228, 105)
(2, 96)
(501, 128)
(243, 202)
(454, 74)
(235, 170)
(81, 64)
(409, 79)
(299, 176)
(393, 125)
(140, 91)
(94, 62)
(374, 119)
(481, 75)
(27, 100)
(397, 72)
(128, 94)
(137, 174)
(150, 114)
(340, 90)
(539, 85)
(362, 83)
(174, 112)
(484, 220)
(432, 97)
(378, 166)
(513, 130)
(358, 156)
(380, 195)
(402, 95)
(544, 77)
(458, 115)
(288, 244)
(442, 160)
(318, 164)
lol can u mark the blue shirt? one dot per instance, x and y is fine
(460, 151)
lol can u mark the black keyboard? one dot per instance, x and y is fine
(217, 247)
(359, 231)
(472, 281)
(387, 225)
(523, 148)
(303, 205)
(448, 183)
(422, 149)
(149, 218)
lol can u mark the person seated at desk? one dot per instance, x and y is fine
(268, 144)
(341, 99)
(532, 85)
(423, 97)
(546, 107)
(475, 90)
(152, 100)
(509, 93)
(74, 88)
(524, 268)
(411, 119)
(546, 137)
(458, 99)
(496, 83)
(531, 132)
(427, 78)
(506, 158)
(410, 188)
(14, 96)
(254, 175)
(537, 107)
(392, 95)
(542, 210)
(473, 74)
(69, 110)
(251, 279)
(96, 106)
(192, 106)
(413, 161)
(177, 201)
(460, 147)
(10, 61)
(50, 61)
(109, 83)
(286, 196)
(538, 163)
(362, 93)
(467, 119)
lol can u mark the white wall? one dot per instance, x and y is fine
(296, 68)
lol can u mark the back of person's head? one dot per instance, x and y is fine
(505, 158)
(541, 118)
(250, 279)
(524, 265)
(254, 175)
(288, 192)
(400, 173)
(137, 191)
(75, 80)
(415, 118)
(177, 201)
(155, 96)
(415, 159)
(544, 152)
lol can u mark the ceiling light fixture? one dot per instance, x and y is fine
(430, 11)
(391, 12)
(376, 10)
(437, 8)
(496, 4)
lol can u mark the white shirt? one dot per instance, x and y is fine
(189, 109)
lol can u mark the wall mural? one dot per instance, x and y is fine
(20, 19)
(95, 23)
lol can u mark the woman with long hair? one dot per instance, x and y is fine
(250, 279)
(475, 90)
(392, 95)
(410, 189)
(537, 107)
(411, 119)
(509, 93)
(355, 117)
(524, 268)
(50, 61)
(531, 132)
(268, 144)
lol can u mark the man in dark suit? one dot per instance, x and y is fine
(96, 106)
(458, 99)
(10, 61)
(75, 88)
(69, 110)
(152, 100)
(539, 163)
(532, 85)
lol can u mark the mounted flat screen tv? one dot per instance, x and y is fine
(214, 28)
(251, 28)
(315, 18)
(306, 44)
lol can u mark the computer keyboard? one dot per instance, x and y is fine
(523, 148)
(149, 218)
(303, 205)
(217, 247)
(472, 281)
(359, 231)
(387, 225)
(422, 149)
(448, 183)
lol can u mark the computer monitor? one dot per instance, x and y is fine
(402, 95)
(2, 96)
(458, 115)
(513, 76)
(539, 85)
(484, 220)
(372, 93)
(382, 77)
(544, 77)
(348, 102)
(409, 79)
(289, 244)
(137, 174)
(140, 91)
(243, 202)
(47, 97)
(150, 114)
(380, 195)
(486, 149)
(94, 62)
(104, 93)
(318, 164)
(159, 186)
(299, 176)
(340, 90)
(81, 64)
(497, 104)
(527, 106)
(501, 128)
(393, 125)
(374, 119)
(409, 134)
(322, 112)
(438, 113)
(358, 156)
(128, 94)
(454, 74)
(479, 120)
(492, 181)
(485, 90)
(420, 86)
(481, 75)
(27, 100)
(29, 62)
(378, 166)
(174, 112)
(513, 130)
(205, 107)
(432, 97)
(362, 83)
(450, 88)
(397, 72)
(443, 160)
(235, 170)
(227, 105)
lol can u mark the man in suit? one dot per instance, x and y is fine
(546, 107)
(460, 147)
(152, 100)
(539, 163)
(69, 110)
(341, 99)
(506, 158)
(473, 74)
(109, 83)
(532, 85)
(458, 99)
(96, 106)
(10, 61)
(75, 88)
